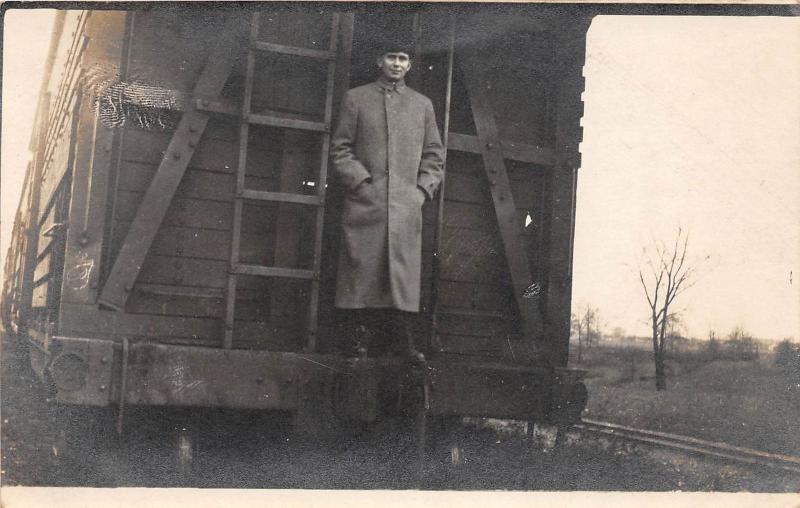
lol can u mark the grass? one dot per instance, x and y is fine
(745, 403)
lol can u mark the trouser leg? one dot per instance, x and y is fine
(379, 331)
(403, 335)
(353, 333)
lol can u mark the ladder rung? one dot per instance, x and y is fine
(273, 271)
(293, 50)
(288, 123)
(283, 197)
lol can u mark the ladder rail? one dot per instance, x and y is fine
(313, 311)
(438, 232)
(241, 169)
(317, 200)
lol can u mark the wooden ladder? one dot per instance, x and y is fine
(243, 194)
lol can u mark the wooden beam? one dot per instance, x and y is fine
(566, 88)
(170, 172)
(512, 150)
(502, 198)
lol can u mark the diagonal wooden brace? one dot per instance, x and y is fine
(171, 170)
(505, 210)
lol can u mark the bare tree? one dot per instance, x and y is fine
(585, 327)
(664, 275)
(712, 345)
(591, 325)
(576, 325)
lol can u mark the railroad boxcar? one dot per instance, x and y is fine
(176, 239)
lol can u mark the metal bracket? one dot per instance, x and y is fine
(55, 229)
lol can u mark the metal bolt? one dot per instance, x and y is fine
(192, 128)
(259, 380)
(102, 388)
(489, 145)
(104, 360)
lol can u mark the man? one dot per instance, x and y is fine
(388, 156)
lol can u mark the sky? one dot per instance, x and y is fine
(690, 122)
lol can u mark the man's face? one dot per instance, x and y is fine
(394, 65)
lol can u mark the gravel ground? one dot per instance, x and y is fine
(44, 444)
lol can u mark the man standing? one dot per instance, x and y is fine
(388, 156)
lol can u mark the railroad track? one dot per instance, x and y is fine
(693, 445)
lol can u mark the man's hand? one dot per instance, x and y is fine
(424, 194)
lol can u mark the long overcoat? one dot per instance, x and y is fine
(388, 155)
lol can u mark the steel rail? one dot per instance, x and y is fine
(693, 445)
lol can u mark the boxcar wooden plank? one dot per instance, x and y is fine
(149, 146)
(281, 94)
(486, 325)
(201, 213)
(471, 255)
(465, 188)
(463, 215)
(471, 295)
(204, 243)
(469, 345)
(85, 320)
(513, 150)
(287, 241)
(170, 48)
(161, 303)
(170, 172)
(281, 27)
(184, 271)
(261, 335)
(195, 184)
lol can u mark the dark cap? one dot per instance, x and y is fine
(395, 45)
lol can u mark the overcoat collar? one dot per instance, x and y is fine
(386, 85)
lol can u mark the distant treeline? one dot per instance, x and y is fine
(732, 348)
